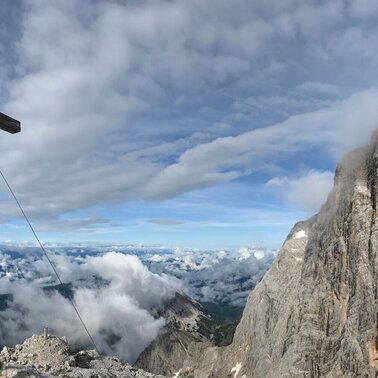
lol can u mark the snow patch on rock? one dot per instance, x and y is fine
(300, 234)
(235, 370)
(177, 374)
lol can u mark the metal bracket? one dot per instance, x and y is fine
(9, 124)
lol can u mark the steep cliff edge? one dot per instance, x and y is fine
(264, 330)
(315, 313)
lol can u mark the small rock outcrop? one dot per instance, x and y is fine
(48, 357)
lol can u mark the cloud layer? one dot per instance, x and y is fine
(309, 191)
(114, 293)
(149, 100)
(117, 293)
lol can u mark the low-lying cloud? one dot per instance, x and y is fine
(116, 302)
(223, 277)
(117, 293)
(308, 192)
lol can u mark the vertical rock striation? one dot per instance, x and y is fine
(315, 313)
(320, 319)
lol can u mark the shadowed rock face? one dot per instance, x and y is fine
(337, 297)
(315, 313)
(318, 317)
(167, 353)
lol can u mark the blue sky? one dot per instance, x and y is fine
(211, 124)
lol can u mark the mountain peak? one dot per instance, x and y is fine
(315, 313)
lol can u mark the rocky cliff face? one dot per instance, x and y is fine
(315, 313)
(264, 330)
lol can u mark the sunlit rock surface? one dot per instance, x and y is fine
(50, 357)
(315, 312)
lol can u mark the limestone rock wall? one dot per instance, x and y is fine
(315, 313)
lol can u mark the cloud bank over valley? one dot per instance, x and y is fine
(118, 293)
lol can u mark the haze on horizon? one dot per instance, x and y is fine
(207, 124)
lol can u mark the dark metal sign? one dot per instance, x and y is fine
(9, 124)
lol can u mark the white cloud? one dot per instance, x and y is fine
(121, 305)
(215, 276)
(333, 128)
(119, 102)
(116, 291)
(127, 274)
(365, 9)
(307, 192)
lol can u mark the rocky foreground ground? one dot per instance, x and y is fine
(46, 357)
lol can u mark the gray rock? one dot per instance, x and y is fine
(181, 337)
(166, 355)
(41, 357)
(5, 354)
(315, 313)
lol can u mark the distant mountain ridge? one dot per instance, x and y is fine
(188, 325)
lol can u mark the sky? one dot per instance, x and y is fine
(210, 124)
